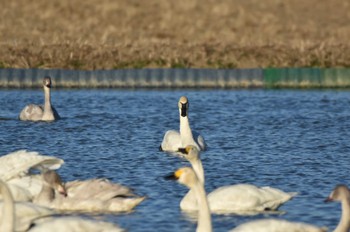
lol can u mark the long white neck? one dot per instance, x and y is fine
(198, 169)
(344, 224)
(204, 217)
(185, 131)
(7, 223)
(48, 112)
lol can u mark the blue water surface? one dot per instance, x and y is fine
(295, 140)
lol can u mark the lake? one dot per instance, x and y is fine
(295, 140)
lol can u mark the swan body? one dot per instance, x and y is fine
(46, 112)
(173, 140)
(15, 167)
(95, 195)
(239, 198)
(188, 177)
(18, 216)
(276, 225)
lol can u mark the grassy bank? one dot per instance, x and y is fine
(111, 34)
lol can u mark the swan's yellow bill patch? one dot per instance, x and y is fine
(188, 149)
(178, 173)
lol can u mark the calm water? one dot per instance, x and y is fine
(289, 139)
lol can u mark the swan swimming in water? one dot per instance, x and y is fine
(173, 140)
(238, 198)
(188, 177)
(47, 112)
(21, 216)
(95, 195)
(340, 193)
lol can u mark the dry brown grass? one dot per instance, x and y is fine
(107, 34)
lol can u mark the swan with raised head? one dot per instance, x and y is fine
(341, 193)
(238, 198)
(93, 196)
(18, 216)
(15, 167)
(188, 177)
(173, 140)
(46, 112)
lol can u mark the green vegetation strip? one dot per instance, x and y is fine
(306, 77)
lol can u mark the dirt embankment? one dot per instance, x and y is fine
(109, 34)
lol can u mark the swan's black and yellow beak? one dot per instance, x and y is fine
(175, 175)
(184, 109)
(185, 150)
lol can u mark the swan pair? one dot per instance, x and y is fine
(239, 198)
(26, 216)
(173, 140)
(94, 195)
(46, 112)
(188, 177)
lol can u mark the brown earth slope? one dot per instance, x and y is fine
(108, 34)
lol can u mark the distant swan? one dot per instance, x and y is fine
(95, 195)
(189, 178)
(47, 112)
(238, 198)
(18, 216)
(173, 140)
(14, 170)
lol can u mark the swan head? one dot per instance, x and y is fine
(47, 82)
(54, 181)
(183, 106)
(340, 193)
(190, 152)
(185, 176)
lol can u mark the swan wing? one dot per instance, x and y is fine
(201, 142)
(32, 112)
(246, 197)
(25, 188)
(96, 188)
(276, 225)
(18, 163)
(171, 141)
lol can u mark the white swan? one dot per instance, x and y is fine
(23, 216)
(173, 140)
(341, 193)
(95, 195)
(47, 112)
(187, 176)
(14, 169)
(238, 198)
(18, 216)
